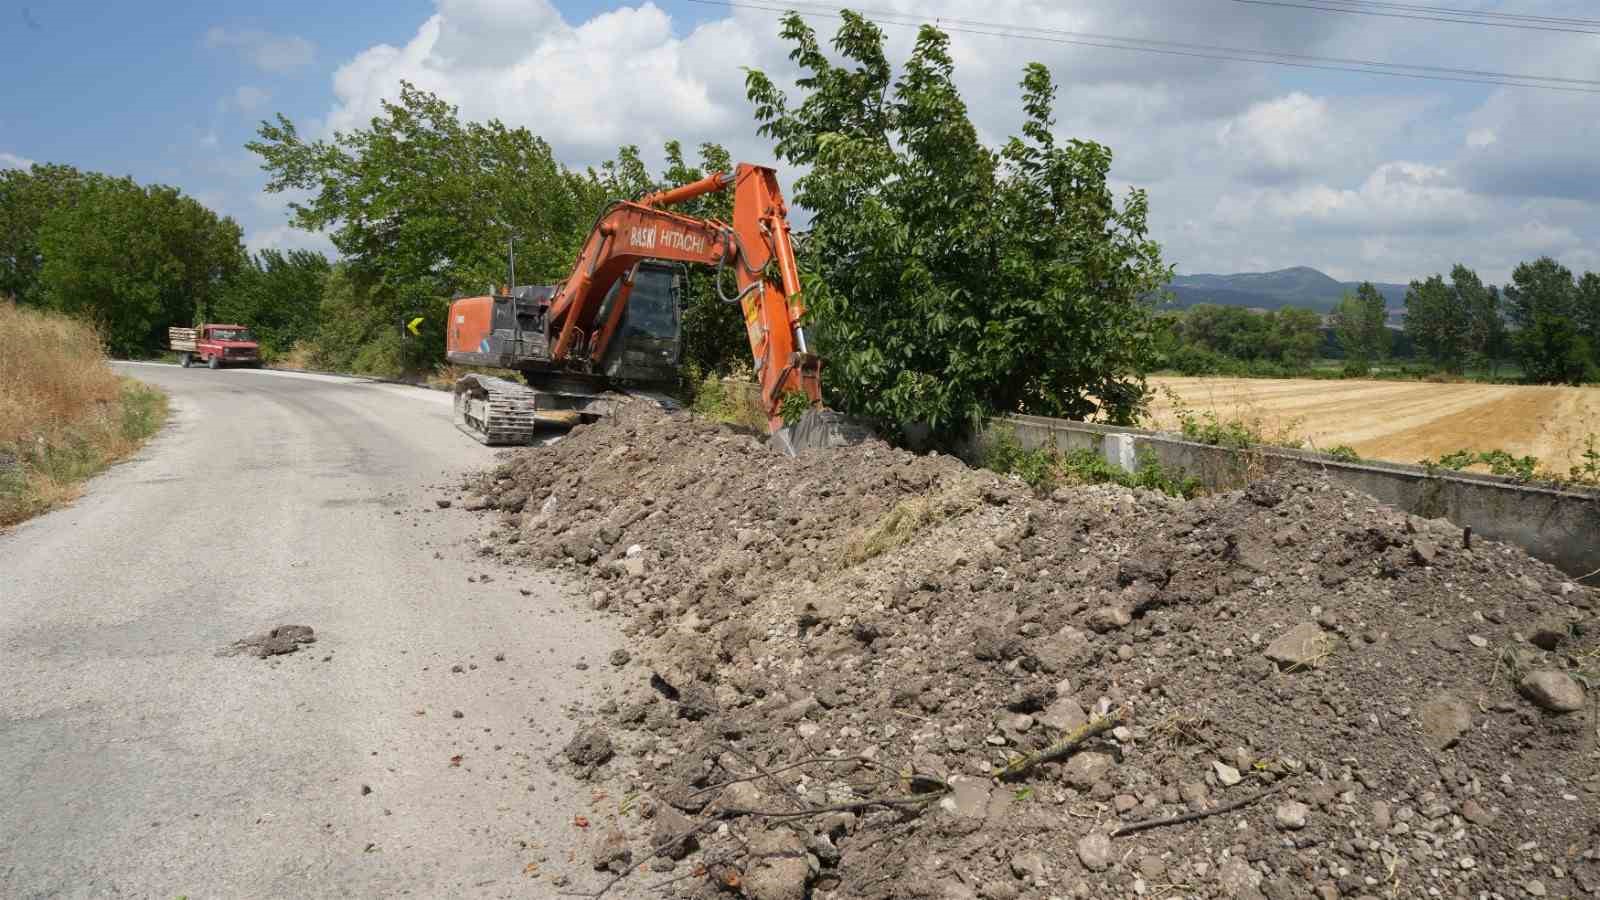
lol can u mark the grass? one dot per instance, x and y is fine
(1044, 469)
(1526, 469)
(64, 415)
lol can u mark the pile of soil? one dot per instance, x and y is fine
(1381, 710)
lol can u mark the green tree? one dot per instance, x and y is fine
(26, 198)
(421, 206)
(945, 280)
(1553, 351)
(1587, 310)
(1544, 288)
(1486, 329)
(1360, 320)
(135, 260)
(1437, 319)
(1294, 336)
(277, 294)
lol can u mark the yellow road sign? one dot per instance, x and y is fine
(412, 326)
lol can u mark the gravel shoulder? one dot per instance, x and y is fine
(135, 760)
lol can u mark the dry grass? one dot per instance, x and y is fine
(446, 376)
(64, 415)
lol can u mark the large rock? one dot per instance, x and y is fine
(1063, 715)
(1555, 691)
(1445, 719)
(1084, 769)
(1094, 851)
(778, 868)
(1305, 646)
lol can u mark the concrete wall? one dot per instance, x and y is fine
(1559, 526)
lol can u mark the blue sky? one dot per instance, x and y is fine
(1248, 167)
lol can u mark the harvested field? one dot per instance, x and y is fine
(834, 659)
(1401, 421)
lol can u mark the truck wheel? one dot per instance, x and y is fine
(183, 360)
(215, 363)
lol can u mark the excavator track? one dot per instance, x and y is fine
(495, 411)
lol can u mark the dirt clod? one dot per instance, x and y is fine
(279, 641)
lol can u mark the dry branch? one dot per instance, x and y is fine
(1062, 748)
(1147, 824)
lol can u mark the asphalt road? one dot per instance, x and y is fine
(135, 761)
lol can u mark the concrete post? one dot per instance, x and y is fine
(1118, 450)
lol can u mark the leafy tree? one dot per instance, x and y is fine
(1543, 287)
(421, 206)
(1587, 310)
(26, 198)
(1437, 319)
(1360, 320)
(1486, 331)
(1554, 352)
(277, 294)
(134, 260)
(1294, 337)
(945, 280)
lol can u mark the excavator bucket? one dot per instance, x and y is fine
(820, 429)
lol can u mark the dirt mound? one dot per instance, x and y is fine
(838, 656)
(283, 639)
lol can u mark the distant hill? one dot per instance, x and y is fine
(1299, 286)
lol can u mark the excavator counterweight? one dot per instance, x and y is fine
(613, 324)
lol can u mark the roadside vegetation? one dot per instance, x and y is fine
(64, 414)
(1046, 468)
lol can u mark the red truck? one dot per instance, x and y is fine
(216, 346)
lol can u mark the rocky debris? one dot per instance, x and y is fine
(279, 641)
(865, 623)
(1554, 691)
(1227, 775)
(442, 503)
(1305, 646)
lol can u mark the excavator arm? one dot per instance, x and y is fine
(755, 246)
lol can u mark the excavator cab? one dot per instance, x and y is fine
(649, 342)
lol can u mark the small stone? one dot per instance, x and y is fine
(1109, 618)
(366, 789)
(1063, 715)
(458, 669)
(1094, 851)
(1226, 774)
(1382, 818)
(589, 747)
(457, 714)
(1194, 793)
(1534, 887)
(1478, 640)
(1552, 690)
(1303, 647)
(619, 658)
(1124, 803)
(610, 853)
(1473, 812)
(1466, 862)
(668, 834)
(778, 867)
(1444, 719)
(1291, 815)
(1424, 551)
(1028, 865)
(968, 799)
(442, 504)
(1152, 867)
(1084, 769)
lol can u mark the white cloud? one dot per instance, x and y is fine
(13, 161)
(249, 98)
(1358, 175)
(276, 53)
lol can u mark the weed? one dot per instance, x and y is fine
(794, 405)
(1045, 469)
(1344, 453)
(64, 414)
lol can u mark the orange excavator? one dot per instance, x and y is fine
(613, 325)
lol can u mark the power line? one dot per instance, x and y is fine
(1197, 51)
(1471, 13)
(1440, 14)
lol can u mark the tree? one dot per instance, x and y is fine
(135, 260)
(1554, 352)
(1543, 287)
(1360, 320)
(421, 206)
(1587, 311)
(277, 294)
(26, 198)
(944, 280)
(1294, 337)
(1486, 330)
(1438, 320)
